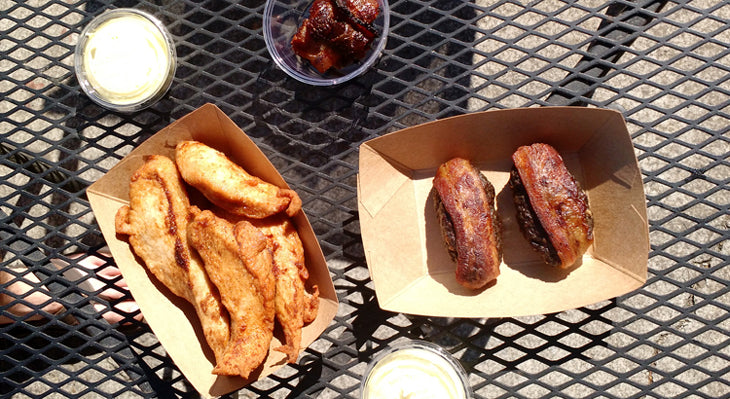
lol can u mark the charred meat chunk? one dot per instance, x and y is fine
(361, 12)
(470, 226)
(336, 33)
(552, 209)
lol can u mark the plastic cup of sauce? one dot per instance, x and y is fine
(417, 370)
(125, 60)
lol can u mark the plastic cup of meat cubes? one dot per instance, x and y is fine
(281, 21)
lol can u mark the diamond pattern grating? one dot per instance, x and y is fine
(663, 64)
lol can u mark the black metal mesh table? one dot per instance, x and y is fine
(663, 64)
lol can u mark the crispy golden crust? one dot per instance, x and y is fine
(557, 199)
(156, 221)
(476, 227)
(239, 261)
(293, 304)
(311, 304)
(229, 186)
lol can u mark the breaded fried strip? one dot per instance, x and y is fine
(156, 222)
(229, 186)
(239, 261)
(293, 303)
(311, 305)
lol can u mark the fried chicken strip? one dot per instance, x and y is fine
(229, 186)
(294, 305)
(553, 210)
(156, 221)
(239, 261)
(470, 225)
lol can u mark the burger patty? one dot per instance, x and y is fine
(529, 223)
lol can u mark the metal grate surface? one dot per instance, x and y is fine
(664, 64)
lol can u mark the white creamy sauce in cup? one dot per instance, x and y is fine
(414, 373)
(125, 59)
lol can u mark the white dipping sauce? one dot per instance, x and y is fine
(126, 59)
(413, 373)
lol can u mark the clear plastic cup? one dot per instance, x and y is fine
(417, 370)
(125, 60)
(281, 21)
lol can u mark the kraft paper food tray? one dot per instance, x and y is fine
(172, 319)
(407, 259)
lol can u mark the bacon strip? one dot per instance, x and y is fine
(557, 199)
(469, 204)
